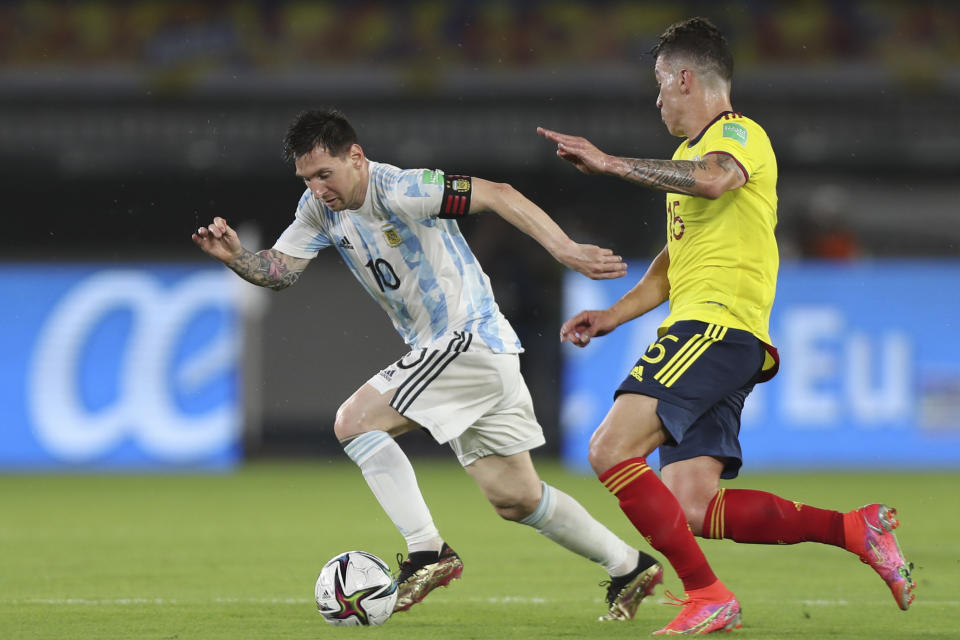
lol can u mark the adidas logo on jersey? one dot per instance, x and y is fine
(345, 243)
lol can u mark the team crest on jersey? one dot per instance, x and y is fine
(391, 235)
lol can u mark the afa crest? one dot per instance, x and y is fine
(461, 185)
(391, 235)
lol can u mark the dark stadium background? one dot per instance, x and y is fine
(123, 125)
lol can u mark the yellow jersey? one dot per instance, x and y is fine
(723, 253)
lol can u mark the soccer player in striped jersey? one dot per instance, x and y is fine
(396, 230)
(684, 396)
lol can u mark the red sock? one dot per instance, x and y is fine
(759, 517)
(657, 515)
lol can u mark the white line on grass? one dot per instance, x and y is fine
(263, 600)
(511, 600)
(88, 602)
(507, 600)
(159, 601)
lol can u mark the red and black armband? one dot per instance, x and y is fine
(456, 196)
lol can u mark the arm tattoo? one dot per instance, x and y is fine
(265, 268)
(725, 162)
(665, 175)
(728, 164)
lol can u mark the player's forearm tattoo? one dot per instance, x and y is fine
(265, 268)
(666, 175)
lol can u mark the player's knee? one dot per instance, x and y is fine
(597, 458)
(602, 456)
(608, 447)
(348, 423)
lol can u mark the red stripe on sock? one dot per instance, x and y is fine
(657, 515)
(758, 517)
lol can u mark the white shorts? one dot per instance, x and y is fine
(465, 395)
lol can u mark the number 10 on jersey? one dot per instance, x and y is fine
(384, 274)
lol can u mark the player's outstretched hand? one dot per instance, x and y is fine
(594, 262)
(218, 240)
(585, 325)
(578, 151)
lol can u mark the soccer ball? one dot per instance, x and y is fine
(355, 589)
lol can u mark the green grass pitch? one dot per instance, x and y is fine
(236, 556)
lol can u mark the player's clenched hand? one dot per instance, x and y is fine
(594, 262)
(585, 325)
(218, 240)
(578, 151)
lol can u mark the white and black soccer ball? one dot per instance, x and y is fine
(355, 589)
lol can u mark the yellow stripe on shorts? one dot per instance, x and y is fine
(688, 354)
(713, 335)
(678, 356)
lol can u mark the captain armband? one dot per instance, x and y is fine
(456, 196)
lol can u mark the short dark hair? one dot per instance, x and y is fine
(699, 39)
(325, 127)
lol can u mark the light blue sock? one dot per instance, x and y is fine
(390, 476)
(564, 520)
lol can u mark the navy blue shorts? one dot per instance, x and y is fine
(701, 374)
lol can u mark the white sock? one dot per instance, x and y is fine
(563, 520)
(390, 476)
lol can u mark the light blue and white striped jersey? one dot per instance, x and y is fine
(418, 267)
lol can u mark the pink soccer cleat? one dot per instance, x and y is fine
(869, 534)
(704, 611)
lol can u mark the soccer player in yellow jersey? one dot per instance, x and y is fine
(685, 394)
